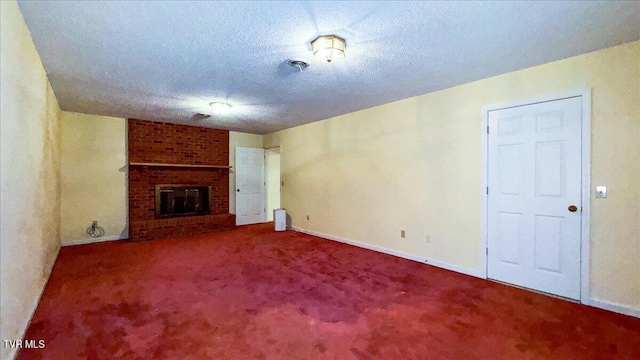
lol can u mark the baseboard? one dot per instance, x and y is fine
(617, 308)
(605, 305)
(400, 254)
(34, 306)
(93, 240)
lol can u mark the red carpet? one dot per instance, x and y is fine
(252, 293)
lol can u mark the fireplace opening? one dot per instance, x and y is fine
(181, 200)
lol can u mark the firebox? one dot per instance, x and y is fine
(182, 200)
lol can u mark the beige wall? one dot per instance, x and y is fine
(416, 165)
(29, 176)
(237, 139)
(94, 176)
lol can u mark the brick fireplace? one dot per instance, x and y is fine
(178, 163)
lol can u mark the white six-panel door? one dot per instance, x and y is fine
(534, 178)
(250, 189)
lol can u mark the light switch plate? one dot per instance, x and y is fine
(601, 191)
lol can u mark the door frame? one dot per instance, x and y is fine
(585, 247)
(266, 194)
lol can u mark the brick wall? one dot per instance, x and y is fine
(155, 142)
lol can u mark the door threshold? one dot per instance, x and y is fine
(536, 291)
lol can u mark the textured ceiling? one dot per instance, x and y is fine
(167, 61)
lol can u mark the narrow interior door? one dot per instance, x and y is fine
(250, 187)
(534, 201)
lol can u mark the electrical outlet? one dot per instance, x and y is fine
(402, 234)
(428, 239)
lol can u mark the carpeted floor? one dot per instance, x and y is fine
(252, 293)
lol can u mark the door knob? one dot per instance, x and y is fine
(573, 208)
(238, 190)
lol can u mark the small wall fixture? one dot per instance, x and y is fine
(220, 108)
(328, 47)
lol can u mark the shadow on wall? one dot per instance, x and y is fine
(125, 169)
(125, 232)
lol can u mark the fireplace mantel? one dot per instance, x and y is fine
(180, 165)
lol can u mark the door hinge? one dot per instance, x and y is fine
(487, 190)
(487, 251)
(487, 129)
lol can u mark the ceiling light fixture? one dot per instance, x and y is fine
(328, 47)
(220, 108)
